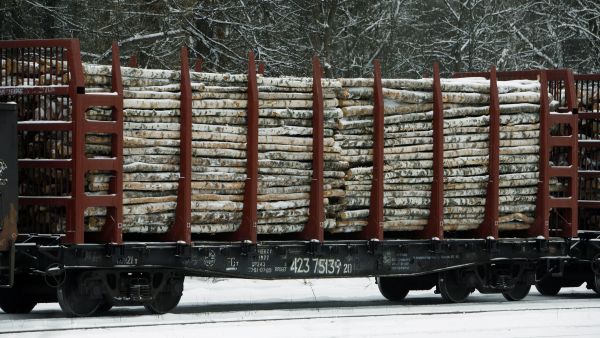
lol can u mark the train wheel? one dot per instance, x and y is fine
(392, 288)
(548, 286)
(518, 292)
(79, 296)
(451, 288)
(167, 297)
(14, 301)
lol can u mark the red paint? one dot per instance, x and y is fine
(247, 229)
(313, 230)
(181, 229)
(374, 229)
(489, 227)
(435, 225)
(541, 226)
(112, 229)
(74, 228)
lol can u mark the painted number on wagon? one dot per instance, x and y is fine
(319, 266)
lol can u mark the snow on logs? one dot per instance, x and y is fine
(219, 102)
(408, 173)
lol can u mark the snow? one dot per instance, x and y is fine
(323, 308)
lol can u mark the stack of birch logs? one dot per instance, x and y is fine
(285, 152)
(409, 152)
(219, 103)
(219, 151)
(150, 150)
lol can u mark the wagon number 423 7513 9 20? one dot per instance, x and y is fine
(320, 266)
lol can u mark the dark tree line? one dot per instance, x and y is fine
(406, 35)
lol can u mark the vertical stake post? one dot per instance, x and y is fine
(181, 229)
(541, 226)
(435, 225)
(112, 231)
(74, 228)
(247, 230)
(313, 230)
(374, 229)
(570, 230)
(489, 227)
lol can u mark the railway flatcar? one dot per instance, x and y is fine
(116, 182)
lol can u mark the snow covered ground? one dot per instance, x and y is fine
(330, 308)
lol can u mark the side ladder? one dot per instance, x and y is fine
(45, 78)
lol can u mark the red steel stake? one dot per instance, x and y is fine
(247, 229)
(571, 228)
(74, 228)
(435, 226)
(489, 227)
(541, 226)
(113, 229)
(313, 230)
(374, 229)
(181, 229)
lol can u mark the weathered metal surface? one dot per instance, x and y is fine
(294, 259)
(8, 175)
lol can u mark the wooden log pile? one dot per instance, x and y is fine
(285, 152)
(289, 102)
(408, 152)
(219, 102)
(150, 147)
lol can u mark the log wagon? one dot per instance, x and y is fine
(117, 182)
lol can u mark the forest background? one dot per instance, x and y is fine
(405, 35)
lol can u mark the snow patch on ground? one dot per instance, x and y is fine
(323, 308)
